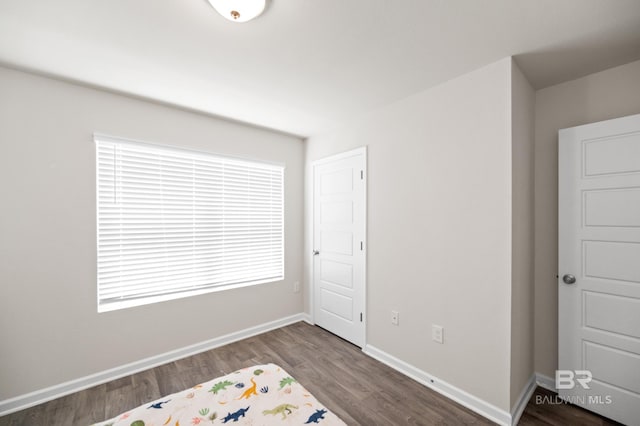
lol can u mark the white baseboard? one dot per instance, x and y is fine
(474, 403)
(34, 398)
(523, 400)
(546, 382)
(307, 318)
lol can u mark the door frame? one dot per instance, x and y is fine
(346, 154)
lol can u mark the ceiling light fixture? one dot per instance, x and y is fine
(239, 10)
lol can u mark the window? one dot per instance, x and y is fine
(174, 223)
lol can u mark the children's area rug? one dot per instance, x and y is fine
(258, 395)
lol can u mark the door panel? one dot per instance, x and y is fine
(337, 212)
(612, 207)
(613, 314)
(613, 155)
(598, 359)
(336, 304)
(612, 260)
(337, 273)
(339, 205)
(599, 243)
(336, 181)
(336, 242)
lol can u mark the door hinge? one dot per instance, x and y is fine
(360, 316)
(361, 174)
(361, 246)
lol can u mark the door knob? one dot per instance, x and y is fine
(569, 279)
(316, 252)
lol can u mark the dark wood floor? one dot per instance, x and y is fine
(359, 389)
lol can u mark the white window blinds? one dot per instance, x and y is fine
(173, 223)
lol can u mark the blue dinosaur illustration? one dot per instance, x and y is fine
(316, 417)
(158, 405)
(236, 416)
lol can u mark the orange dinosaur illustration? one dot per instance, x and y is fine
(250, 391)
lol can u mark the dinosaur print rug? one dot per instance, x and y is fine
(258, 395)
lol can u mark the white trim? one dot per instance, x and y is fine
(21, 402)
(460, 396)
(523, 400)
(546, 382)
(351, 153)
(365, 153)
(340, 156)
(307, 318)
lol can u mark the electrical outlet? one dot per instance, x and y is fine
(437, 333)
(296, 287)
(395, 317)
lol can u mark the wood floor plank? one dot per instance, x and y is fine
(145, 387)
(357, 388)
(553, 412)
(85, 407)
(170, 379)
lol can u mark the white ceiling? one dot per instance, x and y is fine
(306, 65)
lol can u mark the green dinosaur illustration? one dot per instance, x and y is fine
(220, 386)
(286, 381)
(283, 409)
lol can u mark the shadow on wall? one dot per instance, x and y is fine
(557, 64)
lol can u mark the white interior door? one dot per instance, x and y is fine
(339, 213)
(599, 244)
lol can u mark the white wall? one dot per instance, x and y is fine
(49, 328)
(522, 121)
(454, 134)
(608, 94)
(439, 227)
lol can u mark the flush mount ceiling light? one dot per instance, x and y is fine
(239, 10)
